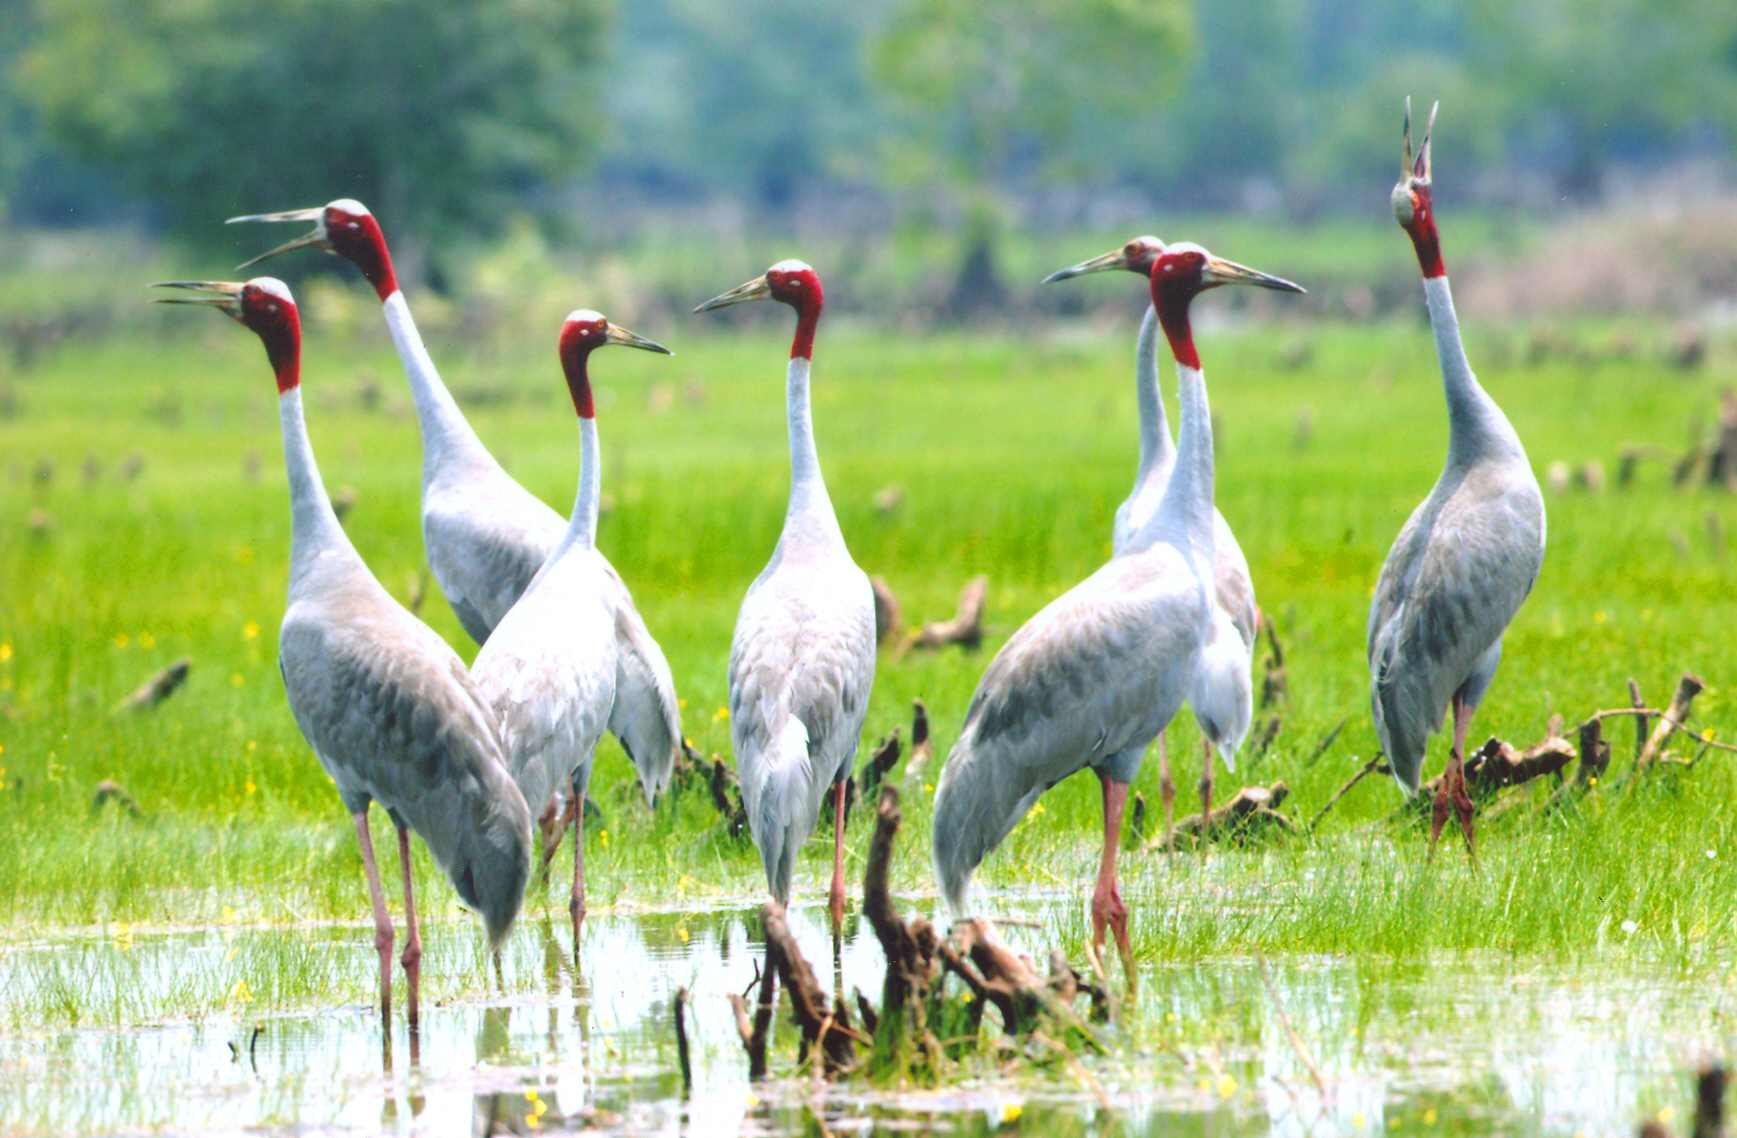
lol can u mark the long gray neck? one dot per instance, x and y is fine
(1476, 426)
(1157, 452)
(810, 508)
(1184, 514)
(582, 527)
(445, 431)
(314, 530)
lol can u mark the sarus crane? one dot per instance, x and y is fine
(386, 705)
(802, 660)
(1466, 558)
(549, 668)
(1223, 702)
(1093, 678)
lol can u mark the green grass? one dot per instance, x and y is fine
(1012, 448)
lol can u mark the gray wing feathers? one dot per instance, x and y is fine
(801, 669)
(485, 549)
(1233, 585)
(1093, 676)
(645, 717)
(396, 719)
(1462, 566)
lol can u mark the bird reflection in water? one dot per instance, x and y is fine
(520, 1111)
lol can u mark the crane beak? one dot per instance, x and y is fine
(317, 237)
(1417, 167)
(227, 298)
(756, 289)
(1222, 272)
(1115, 260)
(620, 335)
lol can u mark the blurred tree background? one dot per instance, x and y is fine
(954, 115)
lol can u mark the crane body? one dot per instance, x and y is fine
(387, 706)
(802, 659)
(1094, 677)
(1466, 558)
(487, 536)
(1223, 694)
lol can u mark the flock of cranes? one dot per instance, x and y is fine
(473, 760)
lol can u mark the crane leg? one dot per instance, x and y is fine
(1166, 784)
(1463, 807)
(576, 905)
(1450, 793)
(1107, 908)
(1205, 788)
(382, 921)
(552, 825)
(412, 958)
(836, 897)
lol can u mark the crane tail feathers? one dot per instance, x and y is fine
(780, 814)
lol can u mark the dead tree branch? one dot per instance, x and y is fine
(1250, 806)
(825, 1029)
(965, 629)
(158, 688)
(1688, 687)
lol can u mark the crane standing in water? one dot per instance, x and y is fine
(549, 668)
(802, 660)
(387, 706)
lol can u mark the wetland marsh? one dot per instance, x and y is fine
(1568, 985)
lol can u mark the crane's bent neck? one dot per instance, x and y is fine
(314, 529)
(1157, 452)
(1476, 426)
(809, 504)
(445, 431)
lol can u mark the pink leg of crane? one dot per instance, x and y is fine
(382, 921)
(1205, 788)
(836, 897)
(412, 958)
(1451, 792)
(576, 905)
(1166, 784)
(552, 825)
(1107, 908)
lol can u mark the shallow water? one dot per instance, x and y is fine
(1481, 1046)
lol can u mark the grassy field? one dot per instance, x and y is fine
(143, 518)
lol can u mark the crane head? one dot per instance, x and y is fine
(793, 282)
(1186, 270)
(1138, 256)
(344, 227)
(263, 304)
(1411, 194)
(582, 333)
(585, 331)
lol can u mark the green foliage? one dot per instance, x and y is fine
(987, 78)
(429, 112)
(760, 97)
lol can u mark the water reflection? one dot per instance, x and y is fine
(1378, 1047)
